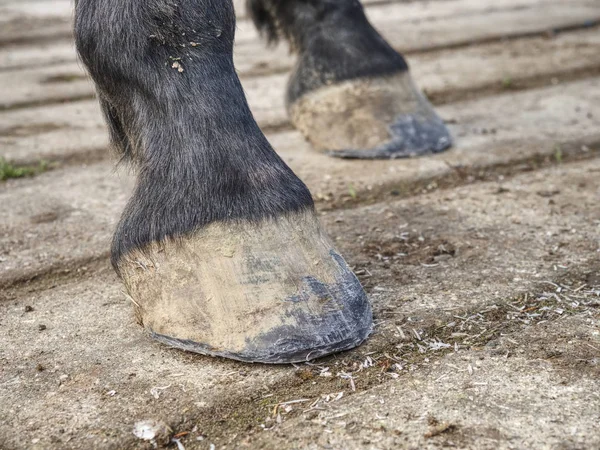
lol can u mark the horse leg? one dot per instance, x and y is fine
(351, 93)
(219, 247)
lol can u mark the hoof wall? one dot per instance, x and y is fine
(284, 345)
(410, 136)
(371, 118)
(229, 291)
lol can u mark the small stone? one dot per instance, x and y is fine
(42, 327)
(150, 430)
(28, 308)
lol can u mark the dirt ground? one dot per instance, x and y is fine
(482, 263)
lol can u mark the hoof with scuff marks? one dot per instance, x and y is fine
(275, 292)
(383, 117)
(350, 93)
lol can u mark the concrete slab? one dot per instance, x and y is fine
(445, 75)
(471, 268)
(412, 27)
(70, 212)
(53, 19)
(76, 130)
(482, 399)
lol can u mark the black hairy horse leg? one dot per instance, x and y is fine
(219, 247)
(351, 93)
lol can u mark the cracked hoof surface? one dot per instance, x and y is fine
(371, 118)
(270, 292)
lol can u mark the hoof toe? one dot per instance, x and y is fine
(229, 291)
(371, 118)
(410, 136)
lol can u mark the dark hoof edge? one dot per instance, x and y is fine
(411, 137)
(297, 350)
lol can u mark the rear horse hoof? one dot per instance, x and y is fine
(271, 292)
(351, 93)
(384, 117)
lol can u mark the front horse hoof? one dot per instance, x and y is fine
(380, 117)
(274, 292)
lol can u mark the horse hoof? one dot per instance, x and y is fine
(270, 292)
(381, 117)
